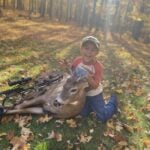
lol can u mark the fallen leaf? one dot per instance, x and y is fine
(110, 124)
(120, 91)
(146, 108)
(118, 126)
(146, 143)
(139, 92)
(109, 133)
(148, 116)
(123, 143)
(71, 123)
(18, 143)
(10, 135)
(6, 119)
(132, 118)
(101, 147)
(22, 120)
(84, 138)
(59, 121)
(44, 119)
(147, 132)
(27, 134)
(128, 128)
(119, 138)
(55, 135)
(69, 145)
(3, 134)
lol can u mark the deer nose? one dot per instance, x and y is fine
(59, 99)
(56, 103)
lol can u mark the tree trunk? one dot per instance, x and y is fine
(92, 19)
(42, 8)
(61, 10)
(1, 13)
(19, 4)
(4, 3)
(50, 9)
(82, 19)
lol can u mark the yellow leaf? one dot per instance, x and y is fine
(2, 134)
(139, 92)
(18, 143)
(120, 91)
(123, 143)
(26, 134)
(71, 123)
(22, 120)
(146, 143)
(110, 124)
(44, 119)
(84, 138)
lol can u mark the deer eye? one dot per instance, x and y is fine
(74, 90)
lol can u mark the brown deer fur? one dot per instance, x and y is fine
(63, 99)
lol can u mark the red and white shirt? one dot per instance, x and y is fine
(95, 68)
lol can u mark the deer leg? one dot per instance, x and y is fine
(32, 110)
(29, 103)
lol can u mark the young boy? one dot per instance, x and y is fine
(88, 66)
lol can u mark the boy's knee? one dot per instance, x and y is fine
(102, 119)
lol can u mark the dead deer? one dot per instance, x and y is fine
(64, 99)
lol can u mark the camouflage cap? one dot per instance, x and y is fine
(92, 39)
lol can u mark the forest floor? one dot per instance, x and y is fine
(29, 47)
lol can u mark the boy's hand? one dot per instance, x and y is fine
(92, 83)
(90, 77)
(64, 65)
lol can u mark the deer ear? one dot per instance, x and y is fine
(70, 72)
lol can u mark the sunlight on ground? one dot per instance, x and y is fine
(126, 58)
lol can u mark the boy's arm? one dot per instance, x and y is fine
(95, 79)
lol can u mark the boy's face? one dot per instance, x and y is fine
(89, 52)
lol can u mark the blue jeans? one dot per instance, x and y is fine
(96, 104)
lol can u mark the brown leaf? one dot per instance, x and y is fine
(110, 124)
(128, 128)
(84, 138)
(123, 143)
(27, 134)
(10, 135)
(120, 91)
(148, 116)
(146, 108)
(139, 92)
(69, 145)
(71, 123)
(22, 120)
(119, 138)
(55, 135)
(146, 143)
(44, 119)
(132, 117)
(18, 143)
(7, 119)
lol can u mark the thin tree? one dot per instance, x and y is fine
(93, 15)
(50, 10)
(42, 8)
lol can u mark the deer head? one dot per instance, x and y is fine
(72, 90)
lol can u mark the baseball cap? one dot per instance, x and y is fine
(92, 39)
